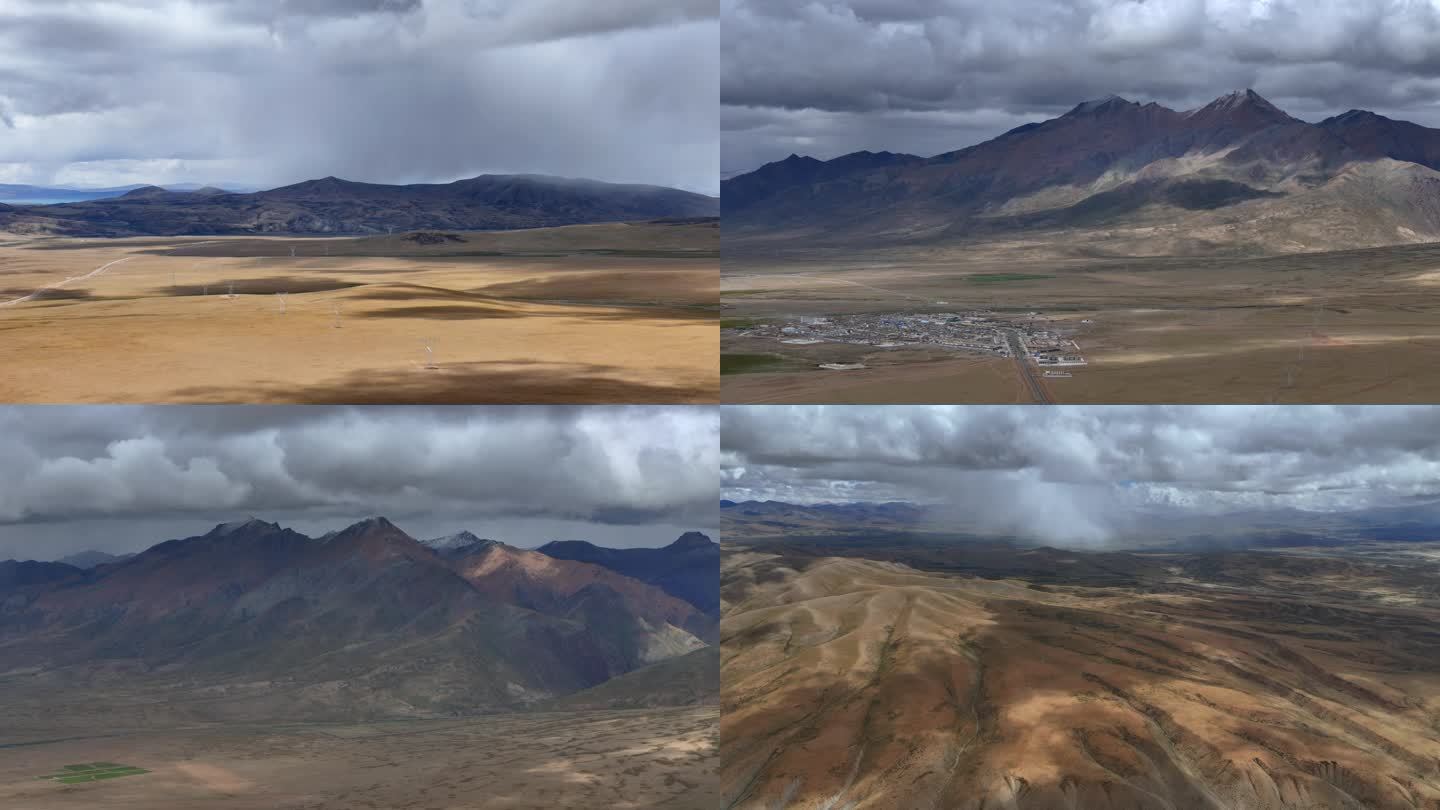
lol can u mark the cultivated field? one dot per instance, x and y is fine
(910, 674)
(654, 758)
(1353, 326)
(593, 313)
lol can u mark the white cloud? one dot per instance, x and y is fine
(607, 465)
(861, 74)
(1082, 474)
(268, 92)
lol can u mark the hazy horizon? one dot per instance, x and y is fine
(1087, 475)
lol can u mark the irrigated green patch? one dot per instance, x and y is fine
(92, 772)
(749, 363)
(1001, 278)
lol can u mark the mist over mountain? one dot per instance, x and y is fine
(1088, 476)
(1149, 530)
(1108, 608)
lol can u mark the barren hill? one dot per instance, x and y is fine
(1257, 680)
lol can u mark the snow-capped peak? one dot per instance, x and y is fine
(450, 542)
(238, 525)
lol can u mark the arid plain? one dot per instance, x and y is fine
(905, 673)
(586, 313)
(1352, 326)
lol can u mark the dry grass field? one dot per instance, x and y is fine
(1263, 681)
(595, 313)
(1353, 326)
(626, 760)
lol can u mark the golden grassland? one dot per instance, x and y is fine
(607, 313)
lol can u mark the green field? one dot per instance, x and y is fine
(92, 772)
(1001, 278)
(747, 363)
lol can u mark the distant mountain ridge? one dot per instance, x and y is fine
(687, 568)
(332, 206)
(90, 559)
(1152, 530)
(1208, 174)
(365, 621)
(24, 194)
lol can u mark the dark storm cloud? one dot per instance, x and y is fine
(1074, 474)
(133, 469)
(926, 77)
(268, 92)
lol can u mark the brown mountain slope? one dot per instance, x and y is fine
(686, 680)
(253, 620)
(1242, 681)
(545, 584)
(1114, 176)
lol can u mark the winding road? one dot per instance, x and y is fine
(93, 273)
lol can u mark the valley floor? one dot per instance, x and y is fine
(1353, 326)
(604, 313)
(622, 760)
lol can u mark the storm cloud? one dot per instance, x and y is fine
(1081, 475)
(828, 77)
(112, 478)
(270, 92)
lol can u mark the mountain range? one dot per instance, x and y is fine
(24, 194)
(253, 619)
(1237, 175)
(684, 569)
(332, 206)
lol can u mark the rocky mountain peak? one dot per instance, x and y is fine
(692, 540)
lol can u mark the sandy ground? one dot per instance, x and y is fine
(1359, 326)
(1259, 683)
(624, 760)
(157, 323)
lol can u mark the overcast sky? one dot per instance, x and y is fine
(270, 92)
(123, 478)
(1077, 475)
(829, 77)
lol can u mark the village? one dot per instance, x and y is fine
(974, 331)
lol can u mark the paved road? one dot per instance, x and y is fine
(1027, 372)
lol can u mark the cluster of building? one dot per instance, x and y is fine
(977, 331)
